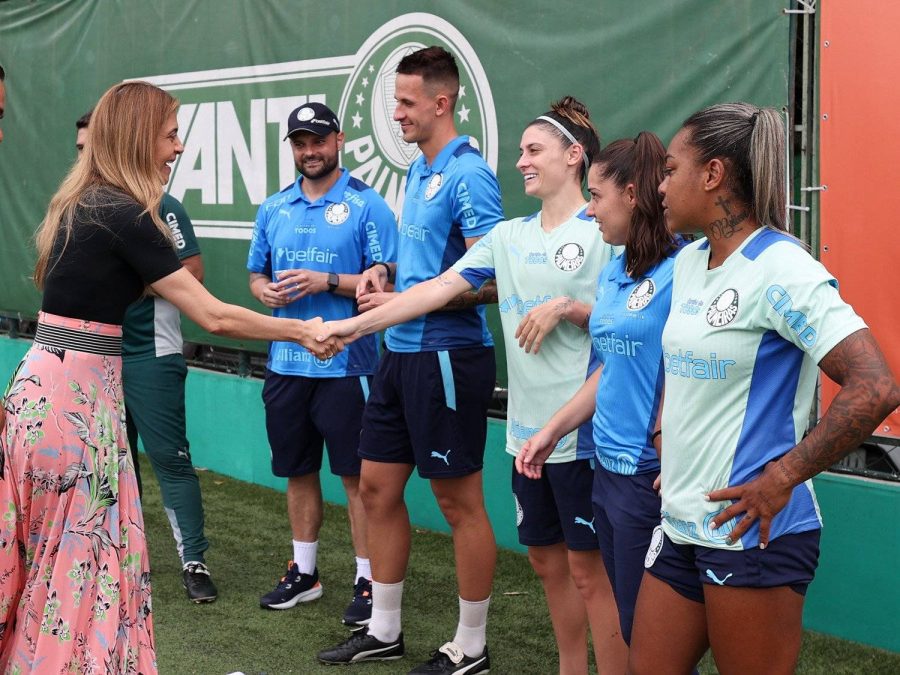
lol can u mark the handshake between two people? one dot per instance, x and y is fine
(332, 336)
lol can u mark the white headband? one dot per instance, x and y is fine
(568, 134)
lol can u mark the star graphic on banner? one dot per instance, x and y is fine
(464, 114)
(462, 90)
(365, 82)
(357, 120)
(360, 99)
(371, 68)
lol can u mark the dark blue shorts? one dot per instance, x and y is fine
(556, 507)
(789, 560)
(626, 509)
(302, 413)
(430, 409)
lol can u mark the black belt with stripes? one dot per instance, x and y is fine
(80, 341)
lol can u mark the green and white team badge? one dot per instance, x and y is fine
(641, 296)
(336, 214)
(375, 151)
(723, 309)
(433, 186)
(569, 257)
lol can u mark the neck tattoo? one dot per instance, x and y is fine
(729, 225)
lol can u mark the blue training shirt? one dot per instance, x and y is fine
(343, 232)
(626, 335)
(455, 198)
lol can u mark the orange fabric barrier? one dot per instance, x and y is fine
(859, 122)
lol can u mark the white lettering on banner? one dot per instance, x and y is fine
(196, 168)
(231, 144)
(231, 153)
(214, 142)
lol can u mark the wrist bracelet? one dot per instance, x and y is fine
(653, 436)
(387, 268)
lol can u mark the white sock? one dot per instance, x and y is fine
(386, 602)
(470, 632)
(363, 569)
(305, 555)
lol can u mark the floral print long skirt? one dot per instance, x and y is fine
(74, 573)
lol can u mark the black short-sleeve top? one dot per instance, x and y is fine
(113, 253)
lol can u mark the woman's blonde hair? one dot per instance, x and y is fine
(118, 156)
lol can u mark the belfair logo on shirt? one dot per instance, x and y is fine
(723, 309)
(336, 214)
(305, 255)
(376, 152)
(521, 307)
(569, 257)
(641, 296)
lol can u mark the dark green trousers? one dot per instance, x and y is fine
(154, 403)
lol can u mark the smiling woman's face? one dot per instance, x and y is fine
(168, 147)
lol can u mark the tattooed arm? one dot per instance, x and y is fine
(868, 394)
(485, 295)
(543, 319)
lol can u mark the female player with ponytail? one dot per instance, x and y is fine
(632, 304)
(752, 316)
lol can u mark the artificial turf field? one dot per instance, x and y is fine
(249, 548)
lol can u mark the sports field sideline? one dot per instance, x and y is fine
(247, 528)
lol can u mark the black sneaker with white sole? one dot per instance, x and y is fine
(294, 587)
(198, 583)
(361, 646)
(359, 611)
(451, 659)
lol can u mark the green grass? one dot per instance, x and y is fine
(250, 544)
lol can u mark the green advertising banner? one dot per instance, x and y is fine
(239, 68)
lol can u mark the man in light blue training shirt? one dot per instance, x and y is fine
(310, 244)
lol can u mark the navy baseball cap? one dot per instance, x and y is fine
(315, 117)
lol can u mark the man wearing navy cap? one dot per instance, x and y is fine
(310, 245)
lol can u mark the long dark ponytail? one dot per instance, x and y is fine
(640, 162)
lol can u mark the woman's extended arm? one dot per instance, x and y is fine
(191, 297)
(422, 298)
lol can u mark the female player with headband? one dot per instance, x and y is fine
(555, 256)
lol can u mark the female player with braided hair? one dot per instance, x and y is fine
(546, 266)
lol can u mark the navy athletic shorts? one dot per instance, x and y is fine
(302, 413)
(557, 506)
(626, 509)
(789, 560)
(430, 409)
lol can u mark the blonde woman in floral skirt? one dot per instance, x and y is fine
(74, 573)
